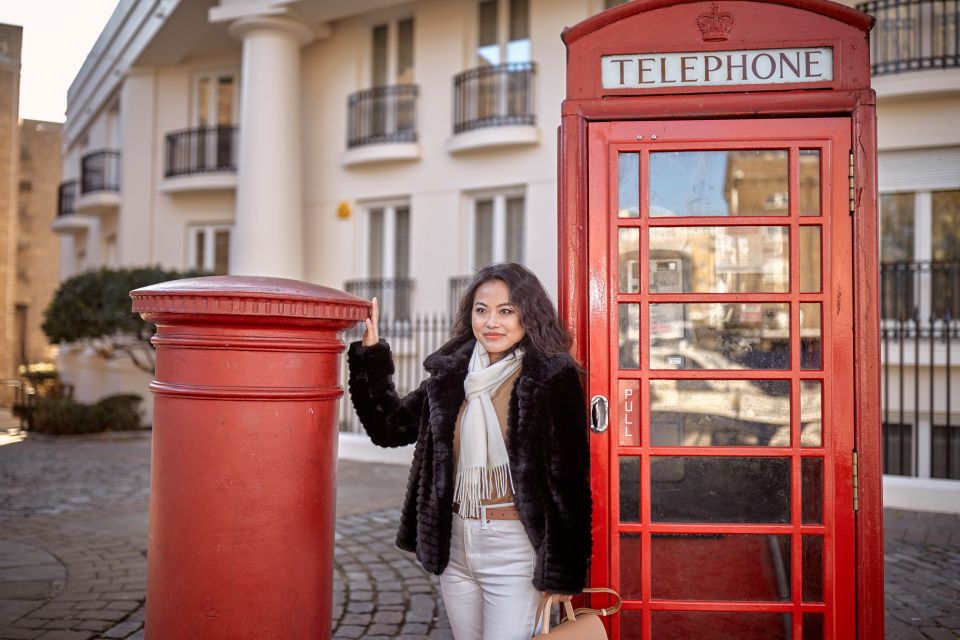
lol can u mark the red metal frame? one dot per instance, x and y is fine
(849, 295)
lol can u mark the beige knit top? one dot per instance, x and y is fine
(501, 404)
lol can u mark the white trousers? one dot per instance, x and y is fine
(488, 587)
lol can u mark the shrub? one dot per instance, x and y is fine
(119, 412)
(60, 416)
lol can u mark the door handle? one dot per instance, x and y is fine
(598, 414)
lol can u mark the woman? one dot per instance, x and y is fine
(498, 500)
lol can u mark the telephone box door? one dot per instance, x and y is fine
(721, 335)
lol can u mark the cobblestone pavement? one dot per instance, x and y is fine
(73, 541)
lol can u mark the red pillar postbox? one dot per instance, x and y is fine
(718, 245)
(243, 469)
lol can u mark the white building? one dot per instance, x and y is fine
(391, 147)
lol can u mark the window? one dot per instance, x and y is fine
(896, 227)
(216, 100)
(209, 249)
(497, 228)
(392, 61)
(897, 449)
(388, 258)
(503, 31)
(945, 451)
(945, 218)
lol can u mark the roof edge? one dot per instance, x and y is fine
(839, 12)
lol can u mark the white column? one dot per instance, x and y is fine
(268, 232)
(93, 259)
(68, 256)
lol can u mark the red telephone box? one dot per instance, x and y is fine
(718, 237)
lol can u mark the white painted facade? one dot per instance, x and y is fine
(301, 203)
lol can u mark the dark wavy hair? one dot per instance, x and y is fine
(543, 335)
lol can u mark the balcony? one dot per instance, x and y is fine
(99, 182)
(915, 37)
(382, 125)
(393, 295)
(493, 106)
(200, 159)
(66, 198)
(68, 220)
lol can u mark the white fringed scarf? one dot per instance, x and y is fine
(483, 469)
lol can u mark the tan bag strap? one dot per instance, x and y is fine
(609, 611)
(546, 604)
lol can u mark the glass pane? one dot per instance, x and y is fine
(811, 486)
(631, 624)
(720, 259)
(720, 489)
(812, 569)
(720, 567)
(488, 49)
(719, 183)
(629, 489)
(483, 233)
(628, 181)
(629, 336)
(896, 227)
(720, 625)
(515, 231)
(946, 225)
(629, 261)
(705, 413)
(809, 259)
(629, 399)
(225, 100)
(380, 72)
(405, 51)
(811, 413)
(200, 246)
(518, 45)
(812, 626)
(401, 259)
(630, 576)
(203, 99)
(375, 243)
(720, 336)
(809, 182)
(811, 355)
(221, 251)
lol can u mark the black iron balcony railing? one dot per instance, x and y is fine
(201, 150)
(919, 330)
(66, 197)
(912, 35)
(393, 295)
(382, 115)
(100, 171)
(494, 96)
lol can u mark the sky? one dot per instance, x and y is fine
(57, 36)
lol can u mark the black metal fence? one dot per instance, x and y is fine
(913, 34)
(393, 294)
(100, 171)
(920, 329)
(201, 150)
(494, 96)
(410, 341)
(382, 114)
(67, 197)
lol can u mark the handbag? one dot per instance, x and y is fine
(581, 624)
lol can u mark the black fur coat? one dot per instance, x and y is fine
(547, 444)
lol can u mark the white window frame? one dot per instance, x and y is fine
(209, 231)
(392, 21)
(503, 32)
(499, 241)
(389, 248)
(213, 75)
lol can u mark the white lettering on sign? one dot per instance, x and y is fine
(716, 68)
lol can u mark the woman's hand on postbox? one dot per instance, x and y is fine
(372, 334)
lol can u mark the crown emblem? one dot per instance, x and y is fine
(714, 26)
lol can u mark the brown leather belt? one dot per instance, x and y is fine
(494, 512)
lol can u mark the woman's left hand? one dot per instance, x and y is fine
(558, 597)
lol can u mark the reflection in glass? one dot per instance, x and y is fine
(629, 489)
(733, 413)
(809, 259)
(811, 413)
(631, 624)
(811, 488)
(714, 489)
(629, 405)
(719, 183)
(629, 260)
(812, 625)
(628, 180)
(812, 568)
(811, 354)
(750, 335)
(630, 577)
(719, 259)
(720, 567)
(809, 182)
(629, 336)
(719, 625)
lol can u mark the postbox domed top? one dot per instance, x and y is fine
(250, 296)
